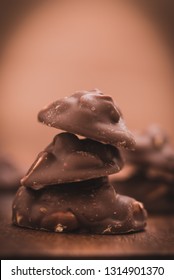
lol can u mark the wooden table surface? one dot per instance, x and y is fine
(157, 241)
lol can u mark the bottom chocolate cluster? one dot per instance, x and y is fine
(90, 206)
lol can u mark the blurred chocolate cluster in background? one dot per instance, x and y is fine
(52, 48)
(148, 173)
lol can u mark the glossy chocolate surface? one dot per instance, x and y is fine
(67, 189)
(91, 114)
(70, 159)
(89, 206)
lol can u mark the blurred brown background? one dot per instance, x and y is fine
(49, 49)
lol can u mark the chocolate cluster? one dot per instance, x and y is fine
(67, 188)
(148, 174)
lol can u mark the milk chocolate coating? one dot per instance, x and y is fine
(91, 114)
(70, 159)
(89, 206)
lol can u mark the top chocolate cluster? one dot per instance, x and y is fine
(90, 114)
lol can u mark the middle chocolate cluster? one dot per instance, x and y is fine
(67, 187)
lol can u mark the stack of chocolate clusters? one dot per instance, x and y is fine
(67, 187)
(148, 174)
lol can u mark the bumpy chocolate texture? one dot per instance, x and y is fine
(67, 188)
(89, 206)
(90, 114)
(70, 159)
(150, 166)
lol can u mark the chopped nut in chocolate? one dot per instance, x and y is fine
(69, 159)
(91, 114)
(88, 206)
(67, 189)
